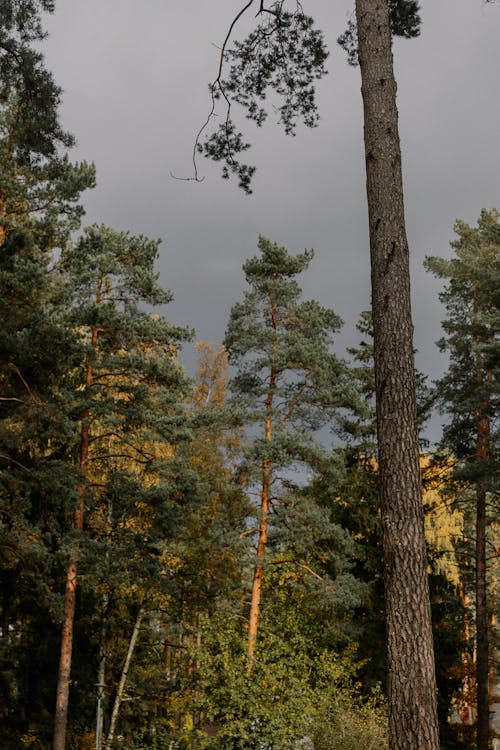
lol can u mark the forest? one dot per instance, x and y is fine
(226, 558)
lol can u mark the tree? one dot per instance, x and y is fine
(117, 387)
(38, 184)
(468, 393)
(267, 60)
(355, 505)
(288, 384)
(37, 481)
(39, 205)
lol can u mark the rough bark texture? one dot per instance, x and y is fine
(413, 723)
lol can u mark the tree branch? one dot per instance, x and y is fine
(215, 87)
(299, 565)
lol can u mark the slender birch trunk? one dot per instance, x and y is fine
(101, 672)
(413, 722)
(123, 678)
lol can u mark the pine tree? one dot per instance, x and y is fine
(285, 53)
(39, 205)
(128, 383)
(36, 480)
(288, 384)
(468, 393)
(38, 184)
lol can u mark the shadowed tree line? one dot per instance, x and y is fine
(220, 561)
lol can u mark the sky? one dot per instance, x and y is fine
(135, 81)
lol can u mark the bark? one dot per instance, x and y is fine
(413, 723)
(258, 576)
(123, 679)
(482, 639)
(2, 217)
(64, 677)
(101, 672)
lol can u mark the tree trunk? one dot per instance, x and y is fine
(482, 640)
(101, 672)
(482, 667)
(413, 723)
(258, 576)
(123, 678)
(2, 216)
(63, 682)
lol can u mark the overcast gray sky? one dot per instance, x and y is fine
(135, 79)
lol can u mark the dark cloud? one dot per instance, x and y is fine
(135, 78)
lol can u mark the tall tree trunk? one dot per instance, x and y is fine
(2, 216)
(482, 640)
(101, 672)
(123, 678)
(63, 682)
(413, 723)
(258, 576)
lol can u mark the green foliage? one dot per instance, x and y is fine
(350, 722)
(37, 485)
(404, 20)
(468, 394)
(469, 390)
(281, 58)
(283, 55)
(288, 384)
(285, 697)
(360, 430)
(38, 184)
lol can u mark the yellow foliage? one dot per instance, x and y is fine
(212, 375)
(28, 738)
(444, 522)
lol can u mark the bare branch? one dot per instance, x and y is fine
(248, 532)
(13, 460)
(299, 565)
(216, 86)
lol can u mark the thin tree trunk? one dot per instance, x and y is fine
(123, 678)
(482, 649)
(482, 639)
(2, 217)
(101, 672)
(64, 678)
(258, 576)
(413, 722)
